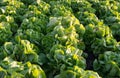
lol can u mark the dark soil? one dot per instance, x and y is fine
(89, 60)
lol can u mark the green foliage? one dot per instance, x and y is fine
(5, 32)
(12, 69)
(59, 38)
(23, 50)
(108, 64)
(77, 72)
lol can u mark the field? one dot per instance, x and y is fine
(59, 38)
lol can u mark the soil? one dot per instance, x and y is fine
(89, 60)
